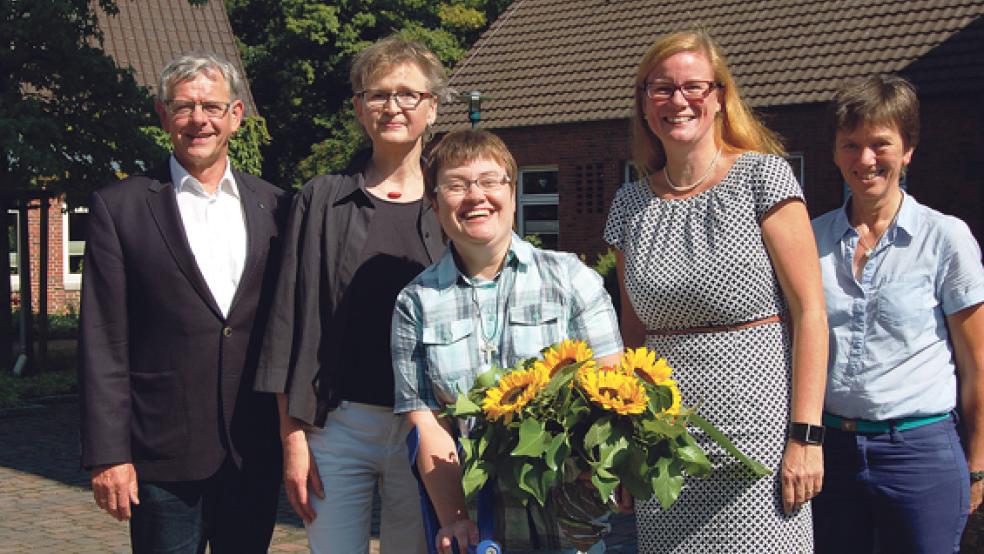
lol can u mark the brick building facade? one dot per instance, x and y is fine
(562, 102)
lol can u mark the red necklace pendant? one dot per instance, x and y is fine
(394, 194)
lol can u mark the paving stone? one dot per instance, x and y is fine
(46, 505)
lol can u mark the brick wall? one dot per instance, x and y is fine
(60, 300)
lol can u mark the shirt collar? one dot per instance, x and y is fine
(908, 220)
(185, 182)
(520, 254)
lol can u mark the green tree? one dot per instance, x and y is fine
(67, 112)
(297, 55)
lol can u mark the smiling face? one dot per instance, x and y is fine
(201, 142)
(478, 219)
(871, 159)
(679, 121)
(391, 124)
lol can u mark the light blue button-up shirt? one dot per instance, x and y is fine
(890, 353)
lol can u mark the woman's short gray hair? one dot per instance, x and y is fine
(187, 66)
(383, 55)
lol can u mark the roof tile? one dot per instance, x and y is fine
(145, 35)
(560, 61)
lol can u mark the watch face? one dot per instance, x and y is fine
(815, 434)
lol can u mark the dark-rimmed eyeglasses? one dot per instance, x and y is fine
(488, 184)
(405, 99)
(184, 108)
(662, 91)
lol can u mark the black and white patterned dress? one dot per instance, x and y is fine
(700, 262)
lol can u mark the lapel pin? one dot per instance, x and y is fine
(260, 204)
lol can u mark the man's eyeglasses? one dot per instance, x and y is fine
(662, 91)
(488, 184)
(184, 108)
(405, 99)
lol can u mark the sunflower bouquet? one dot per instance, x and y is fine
(545, 426)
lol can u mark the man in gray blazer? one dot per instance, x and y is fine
(176, 289)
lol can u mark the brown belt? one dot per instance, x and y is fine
(715, 328)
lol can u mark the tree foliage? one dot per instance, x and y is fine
(297, 55)
(68, 115)
(67, 112)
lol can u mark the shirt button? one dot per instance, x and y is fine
(227, 331)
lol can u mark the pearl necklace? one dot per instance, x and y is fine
(698, 182)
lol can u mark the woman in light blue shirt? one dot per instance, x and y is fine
(904, 287)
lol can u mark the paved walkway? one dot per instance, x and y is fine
(46, 503)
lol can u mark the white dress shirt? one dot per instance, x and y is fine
(216, 230)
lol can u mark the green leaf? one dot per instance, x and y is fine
(531, 481)
(562, 378)
(598, 432)
(667, 482)
(468, 448)
(694, 460)
(475, 476)
(464, 407)
(603, 480)
(558, 449)
(635, 474)
(756, 467)
(533, 439)
(488, 378)
(662, 427)
(576, 411)
(614, 445)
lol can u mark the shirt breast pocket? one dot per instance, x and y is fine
(536, 326)
(450, 364)
(905, 305)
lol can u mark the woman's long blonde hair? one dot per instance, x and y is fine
(736, 129)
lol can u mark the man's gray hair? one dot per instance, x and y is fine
(187, 66)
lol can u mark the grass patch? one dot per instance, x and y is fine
(59, 378)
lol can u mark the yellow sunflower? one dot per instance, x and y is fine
(514, 391)
(642, 363)
(613, 390)
(674, 408)
(564, 354)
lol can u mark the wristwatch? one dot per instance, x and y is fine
(976, 476)
(806, 433)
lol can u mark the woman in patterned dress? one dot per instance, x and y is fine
(717, 262)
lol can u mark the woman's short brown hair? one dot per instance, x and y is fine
(736, 129)
(371, 63)
(466, 145)
(887, 100)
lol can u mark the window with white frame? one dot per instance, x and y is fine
(538, 203)
(74, 225)
(798, 162)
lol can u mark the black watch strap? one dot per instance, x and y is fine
(976, 476)
(806, 433)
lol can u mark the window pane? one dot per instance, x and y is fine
(12, 242)
(77, 225)
(544, 211)
(539, 182)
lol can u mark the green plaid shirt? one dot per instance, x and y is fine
(437, 338)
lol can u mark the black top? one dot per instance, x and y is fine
(322, 250)
(391, 258)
